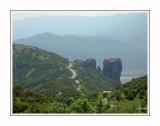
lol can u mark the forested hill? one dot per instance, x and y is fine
(47, 73)
(33, 66)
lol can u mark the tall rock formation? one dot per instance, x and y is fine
(112, 67)
(90, 63)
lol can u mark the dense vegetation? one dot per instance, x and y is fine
(127, 98)
(32, 66)
(42, 85)
(130, 97)
(25, 101)
(46, 73)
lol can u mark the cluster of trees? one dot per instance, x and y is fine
(25, 101)
(127, 98)
(130, 97)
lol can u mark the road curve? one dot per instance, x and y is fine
(74, 74)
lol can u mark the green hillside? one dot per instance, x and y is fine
(127, 98)
(130, 97)
(42, 71)
(42, 84)
(32, 66)
(47, 73)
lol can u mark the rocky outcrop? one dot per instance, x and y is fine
(112, 67)
(79, 62)
(90, 63)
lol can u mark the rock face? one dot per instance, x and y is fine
(112, 67)
(90, 63)
(79, 62)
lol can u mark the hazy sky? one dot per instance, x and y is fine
(20, 15)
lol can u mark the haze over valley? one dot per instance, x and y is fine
(82, 37)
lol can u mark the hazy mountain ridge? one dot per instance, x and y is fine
(80, 25)
(81, 47)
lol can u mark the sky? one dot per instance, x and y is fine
(20, 15)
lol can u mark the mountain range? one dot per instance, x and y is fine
(82, 25)
(73, 64)
(98, 47)
(82, 37)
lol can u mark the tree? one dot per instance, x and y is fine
(100, 103)
(81, 106)
(86, 108)
(17, 89)
(130, 95)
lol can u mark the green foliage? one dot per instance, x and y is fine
(99, 103)
(81, 106)
(91, 79)
(46, 73)
(25, 101)
(118, 101)
(47, 88)
(130, 97)
(42, 72)
(58, 108)
(132, 89)
(33, 66)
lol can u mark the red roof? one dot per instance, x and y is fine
(108, 59)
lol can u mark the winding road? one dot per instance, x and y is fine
(74, 74)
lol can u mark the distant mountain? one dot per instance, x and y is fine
(132, 31)
(80, 25)
(47, 73)
(83, 47)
